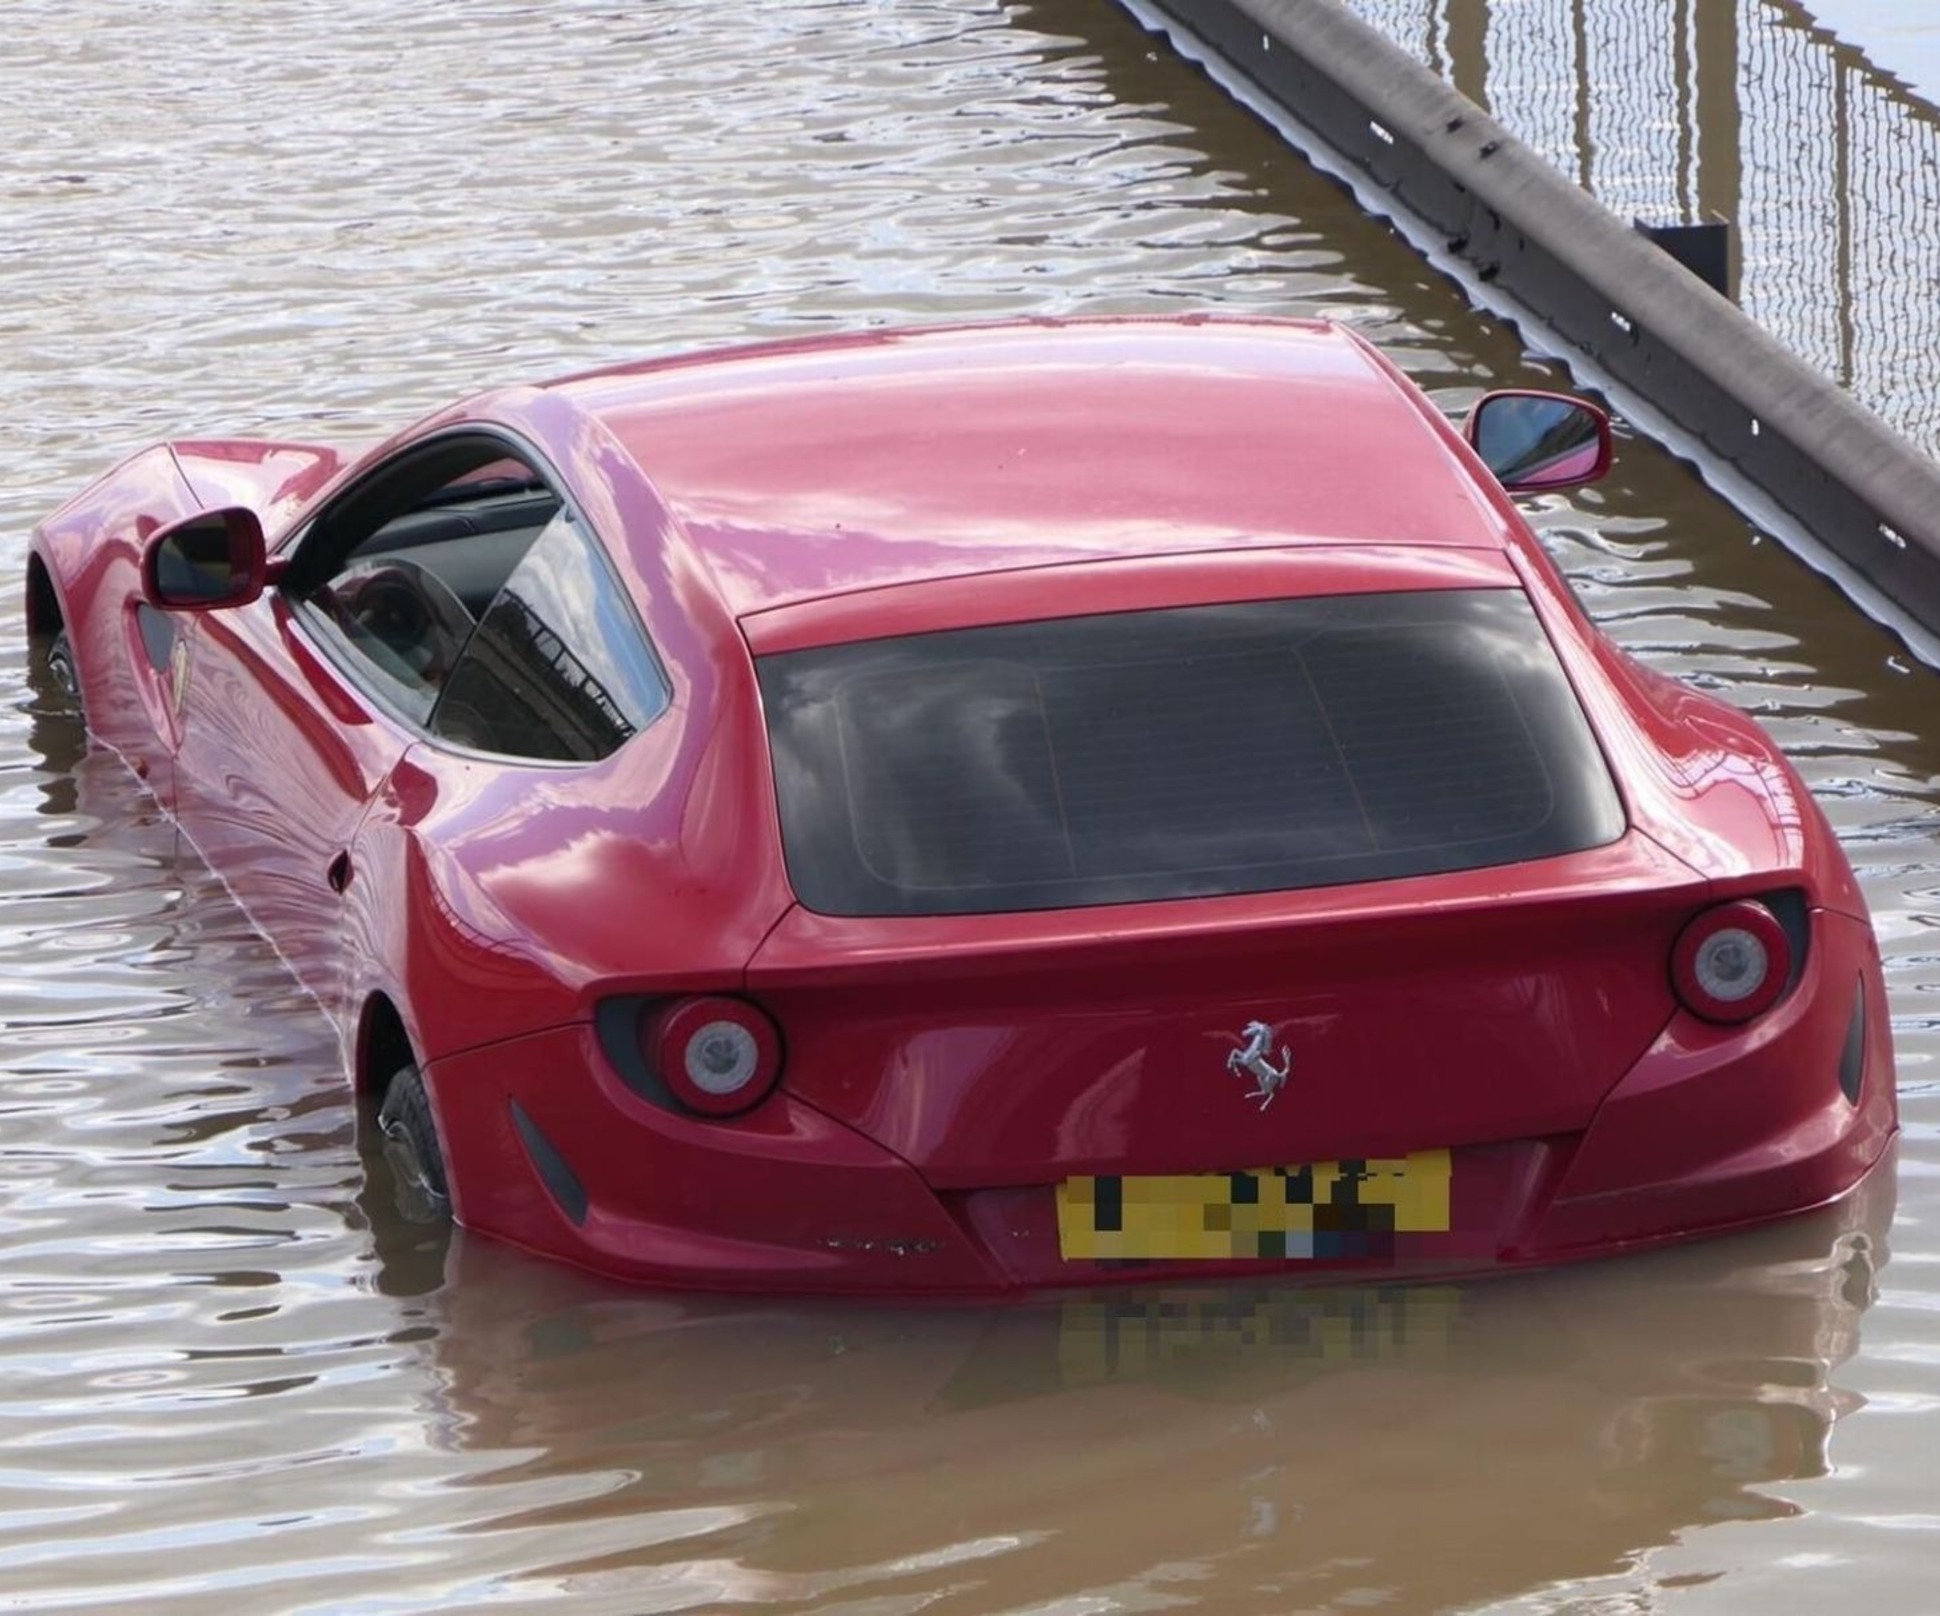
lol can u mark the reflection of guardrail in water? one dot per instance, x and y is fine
(1675, 112)
(1781, 437)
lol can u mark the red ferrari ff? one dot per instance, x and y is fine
(968, 810)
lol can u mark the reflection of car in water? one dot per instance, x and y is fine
(1442, 1444)
(988, 809)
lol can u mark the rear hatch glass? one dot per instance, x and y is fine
(1184, 752)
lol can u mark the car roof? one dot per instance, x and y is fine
(823, 467)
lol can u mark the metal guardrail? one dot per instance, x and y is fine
(1683, 112)
(1856, 495)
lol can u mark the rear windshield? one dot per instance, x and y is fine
(1186, 752)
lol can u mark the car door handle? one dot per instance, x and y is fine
(338, 875)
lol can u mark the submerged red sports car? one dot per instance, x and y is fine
(1010, 806)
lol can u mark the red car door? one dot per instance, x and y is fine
(298, 707)
(280, 757)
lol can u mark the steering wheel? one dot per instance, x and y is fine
(406, 615)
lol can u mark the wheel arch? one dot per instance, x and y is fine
(44, 614)
(383, 1046)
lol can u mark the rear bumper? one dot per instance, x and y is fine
(1711, 1130)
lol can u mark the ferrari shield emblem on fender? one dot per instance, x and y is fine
(1253, 1058)
(178, 676)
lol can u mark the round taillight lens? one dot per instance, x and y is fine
(1732, 963)
(716, 1055)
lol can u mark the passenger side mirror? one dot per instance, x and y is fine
(205, 562)
(1534, 441)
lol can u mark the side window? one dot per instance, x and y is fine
(397, 573)
(402, 620)
(558, 668)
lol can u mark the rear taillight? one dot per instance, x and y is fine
(715, 1055)
(1732, 963)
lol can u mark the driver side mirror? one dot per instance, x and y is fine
(1534, 441)
(205, 562)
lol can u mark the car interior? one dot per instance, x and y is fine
(405, 565)
(454, 581)
(468, 535)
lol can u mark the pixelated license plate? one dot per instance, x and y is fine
(1323, 1210)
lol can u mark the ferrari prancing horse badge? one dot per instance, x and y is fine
(1252, 1059)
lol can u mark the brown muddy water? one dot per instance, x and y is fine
(230, 1382)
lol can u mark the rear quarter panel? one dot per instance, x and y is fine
(497, 898)
(1700, 777)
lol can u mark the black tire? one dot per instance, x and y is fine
(411, 1148)
(60, 666)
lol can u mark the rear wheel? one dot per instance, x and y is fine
(411, 1148)
(60, 666)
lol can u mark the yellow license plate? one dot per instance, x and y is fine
(1322, 1210)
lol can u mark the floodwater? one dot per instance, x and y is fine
(230, 1381)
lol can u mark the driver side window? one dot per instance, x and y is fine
(397, 574)
(404, 621)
